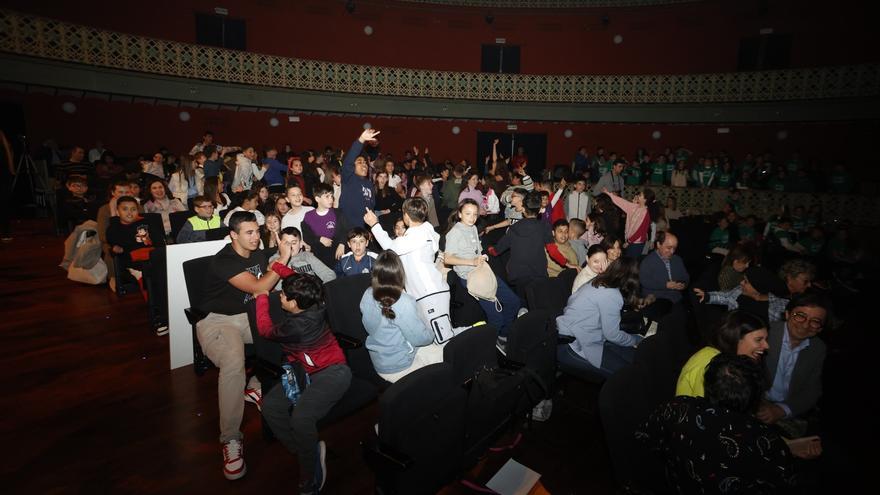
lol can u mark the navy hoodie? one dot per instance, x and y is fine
(358, 192)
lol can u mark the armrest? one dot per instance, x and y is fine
(564, 339)
(382, 457)
(348, 342)
(194, 315)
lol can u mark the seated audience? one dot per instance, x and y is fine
(399, 340)
(307, 342)
(77, 206)
(417, 248)
(464, 253)
(128, 235)
(302, 261)
(662, 272)
(734, 266)
(577, 228)
(592, 317)
(249, 204)
(237, 271)
(162, 203)
(754, 295)
(715, 444)
(597, 262)
(560, 254)
(294, 216)
(196, 227)
(358, 259)
(794, 364)
(324, 228)
(740, 333)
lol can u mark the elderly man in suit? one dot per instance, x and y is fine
(794, 363)
(662, 273)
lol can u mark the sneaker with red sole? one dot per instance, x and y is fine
(233, 460)
(254, 396)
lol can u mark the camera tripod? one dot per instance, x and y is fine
(38, 181)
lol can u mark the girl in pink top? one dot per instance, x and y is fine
(470, 191)
(638, 219)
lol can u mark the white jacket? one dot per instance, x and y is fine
(417, 249)
(246, 172)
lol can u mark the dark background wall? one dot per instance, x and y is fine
(133, 128)
(687, 38)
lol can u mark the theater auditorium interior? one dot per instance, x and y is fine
(438, 246)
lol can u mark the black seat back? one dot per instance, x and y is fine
(195, 274)
(343, 297)
(422, 416)
(177, 219)
(551, 294)
(157, 227)
(532, 342)
(470, 351)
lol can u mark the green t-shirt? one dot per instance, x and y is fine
(746, 233)
(724, 180)
(670, 167)
(813, 246)
(719, 238)
(776, 184)
(841, 182)
(658, 172)
(633, 175)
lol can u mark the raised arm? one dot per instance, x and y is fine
(356, 147)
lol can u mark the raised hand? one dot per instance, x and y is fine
(701, 295)
(368, 135)
(370, 218)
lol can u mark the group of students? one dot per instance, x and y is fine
(300, 239)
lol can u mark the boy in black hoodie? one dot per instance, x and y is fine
(306, 340)
(526, 240)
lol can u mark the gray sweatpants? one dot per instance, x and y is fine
(297, 429)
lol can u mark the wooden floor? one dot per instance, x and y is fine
(90, 405)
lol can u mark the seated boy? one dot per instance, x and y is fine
(197, 226)
(560, 254)
(129, 235)
(306, 341)
(322, 228)
(249, 203)
(78, 206)
(358, 260)
(303, 261)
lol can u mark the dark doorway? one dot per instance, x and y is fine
(534, 145)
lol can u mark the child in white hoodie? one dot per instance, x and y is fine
(417, 249)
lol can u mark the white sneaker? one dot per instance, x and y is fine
(522, 311)
(542, 411)
(233, 460)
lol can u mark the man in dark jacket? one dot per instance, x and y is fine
(526, 240)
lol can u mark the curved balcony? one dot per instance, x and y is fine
(44, 38)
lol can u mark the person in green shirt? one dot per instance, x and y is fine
(633, 174)
(705, 175)
(725, 176)
(747, 228)
(777, 182)
(658, 171)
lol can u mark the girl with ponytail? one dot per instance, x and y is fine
(398, 340)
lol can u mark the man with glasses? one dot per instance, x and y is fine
(197, 226)
(794, 363)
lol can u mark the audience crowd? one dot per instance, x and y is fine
(298, 220)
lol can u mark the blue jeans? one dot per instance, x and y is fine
(614, 358)
(510, 304)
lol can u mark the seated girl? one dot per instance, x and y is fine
(399, 341)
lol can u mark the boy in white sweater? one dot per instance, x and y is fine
(417, 249)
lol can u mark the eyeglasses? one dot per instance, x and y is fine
(209, 205)
(801, 318)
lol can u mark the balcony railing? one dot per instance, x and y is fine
(41, 37)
